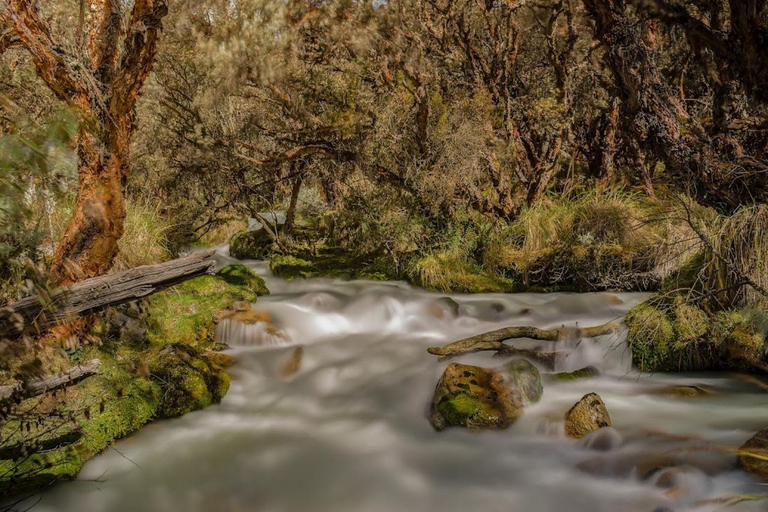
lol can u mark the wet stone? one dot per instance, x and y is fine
(589, 414)
(484, 398)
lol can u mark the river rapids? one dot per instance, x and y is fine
(328, 411)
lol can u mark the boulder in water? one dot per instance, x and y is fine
(589, 414)
(484, 398)
(251, 245)
(753, 455)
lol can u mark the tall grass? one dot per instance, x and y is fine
(145, 236)
(144, 240)
(739, 251)
(616, 218)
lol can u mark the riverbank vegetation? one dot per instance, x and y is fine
(564, 145)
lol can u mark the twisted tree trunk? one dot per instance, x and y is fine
(103, 88)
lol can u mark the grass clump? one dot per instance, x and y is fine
(590, 242)
(445, 272)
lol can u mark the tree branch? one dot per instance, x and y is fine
(53, 65)
(493, 340)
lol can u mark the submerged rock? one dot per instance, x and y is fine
(583, 373)
(589, 414)
(477, 398)
(753, 455)
(602, 440)
(683, 391)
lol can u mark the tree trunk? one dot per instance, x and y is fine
(90, 243)
(102, 82)
(290, 214)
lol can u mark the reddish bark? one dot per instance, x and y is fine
(103, 89)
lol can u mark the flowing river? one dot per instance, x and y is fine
(345, 427)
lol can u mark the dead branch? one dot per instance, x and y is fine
(494, 340)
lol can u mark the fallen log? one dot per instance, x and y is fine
(494, 340)
(63, 379)
(35, 314)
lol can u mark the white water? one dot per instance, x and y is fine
(349, 431)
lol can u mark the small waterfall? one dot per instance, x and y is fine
(237, 333)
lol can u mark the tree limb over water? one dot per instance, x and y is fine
(494, 340)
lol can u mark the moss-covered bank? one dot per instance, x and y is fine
(163, 371)
(673, 335)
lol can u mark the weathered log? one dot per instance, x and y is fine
(63, 379)
(494, 340)
(37, 313)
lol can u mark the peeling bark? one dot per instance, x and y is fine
(103, 88)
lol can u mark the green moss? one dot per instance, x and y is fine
(583, 373)
(240, 275)
(188, 381)
(650, 336)
(691, 323)
(459, 409)
(184, 313)
(291, 267)
(330, 263)
(251, 245)
(135, 384)
(104, 408)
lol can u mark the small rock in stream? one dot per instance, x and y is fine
(589, 414)
(753, 455)
(484, 398)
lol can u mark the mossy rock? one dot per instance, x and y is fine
(691, 323)
(753, 455)
(189, 381)
(291, 267)
(582, 373)
(483, 398)
(588, 415)
(240, 275)
(251, 245)
(185, 313)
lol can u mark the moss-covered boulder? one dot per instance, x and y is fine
(484, 398)
(588, 415)
(753, 455)
(186, 313)
(251, 245)
(189, 381)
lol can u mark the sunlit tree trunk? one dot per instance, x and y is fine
(102, 86)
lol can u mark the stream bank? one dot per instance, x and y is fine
(348, 428)
(158, 359)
